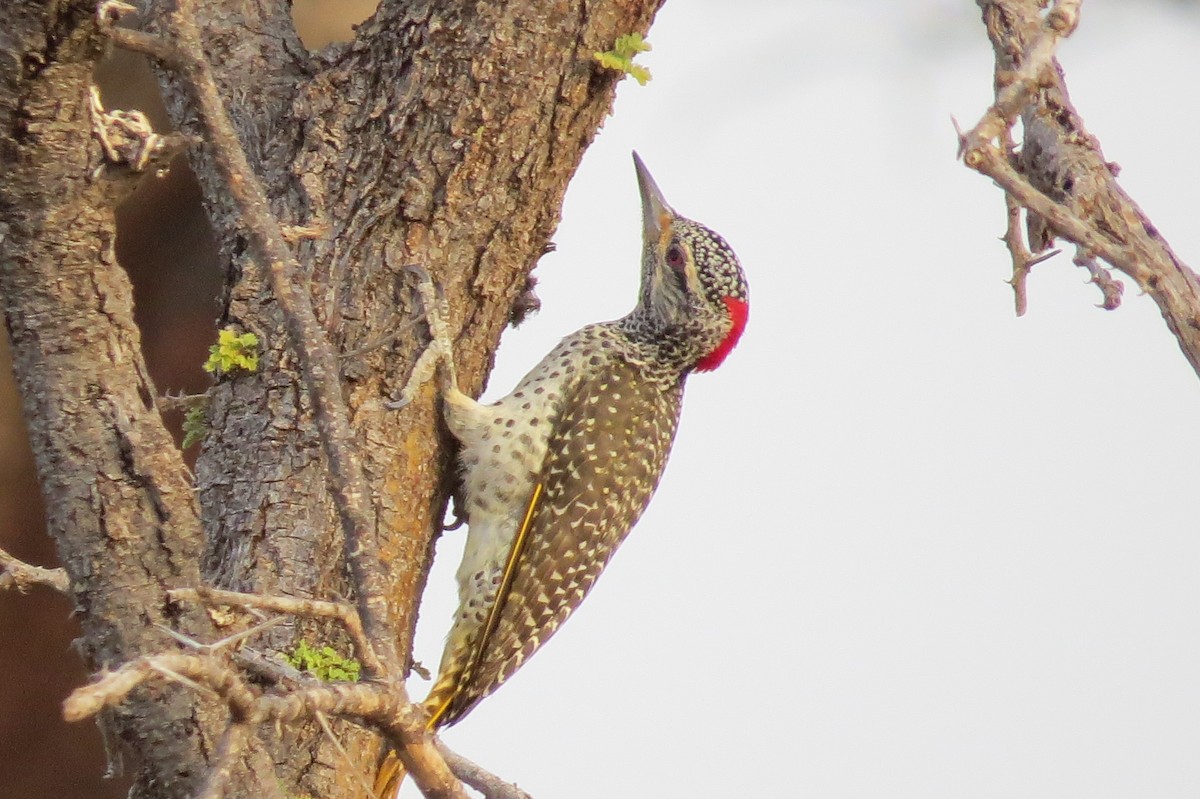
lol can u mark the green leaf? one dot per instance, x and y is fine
(631, 44)
(195, 425)
(325, 663)
(620, 57)
(232, 352)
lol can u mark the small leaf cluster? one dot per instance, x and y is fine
(621, 56)
(324, 663)
(232, 352)
(195, 425)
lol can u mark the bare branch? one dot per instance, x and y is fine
(225, 642)
(293, 606)
(233, 742)
(480, 779)
(109, 13)
(113, 687)
(351, 766)
(989, 161)
(20, 575)
(1013, 89)
(1109, 286)
(1061, 177)
(1014, 239)
(370, 703)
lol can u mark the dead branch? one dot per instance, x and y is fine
(1060, 176)
(1014, 238)
(112, 688)
(292, 606)
(480, 779)
(20, 575)
(1109, 286)
(229, 749)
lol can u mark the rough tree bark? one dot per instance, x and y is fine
(445, 135)
(118, 497)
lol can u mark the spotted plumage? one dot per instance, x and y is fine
(556, 474)
(609, 428)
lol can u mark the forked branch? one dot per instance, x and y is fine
(18, 574)
(1059, 175)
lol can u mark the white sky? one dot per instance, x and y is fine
(908, 545)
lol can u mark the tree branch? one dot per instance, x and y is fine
(1060, 175)
(20, 575)
(480, 779)
(371, 703)
(343, 613)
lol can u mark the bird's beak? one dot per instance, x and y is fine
(656, 214)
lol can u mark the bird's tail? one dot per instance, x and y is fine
(391, 771)
(389, 777)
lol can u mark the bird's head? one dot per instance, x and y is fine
(693, 288)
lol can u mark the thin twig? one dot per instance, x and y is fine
(174, 676)
(1110, 287)
(1023, 260)
(183, 401)
(349, 762)
(16, 573)
(479, 778)
(113, 687)
(382, 341)
(229, 750)
(988, 160)
(227, 641)
(293, 606)
(1014, 239)
(155, 47)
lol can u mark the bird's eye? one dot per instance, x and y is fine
(675, 257)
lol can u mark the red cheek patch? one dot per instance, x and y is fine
(739, 312)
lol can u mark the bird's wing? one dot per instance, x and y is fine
(602, 465)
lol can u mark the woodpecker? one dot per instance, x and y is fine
(556, 474)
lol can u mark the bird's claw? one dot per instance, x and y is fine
(439, 350)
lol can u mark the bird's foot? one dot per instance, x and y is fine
(440, 349)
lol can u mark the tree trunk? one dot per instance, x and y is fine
(118, 497)
(443, 135)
